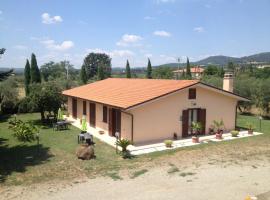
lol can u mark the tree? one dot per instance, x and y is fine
(92, 62)
(27, 77)
(128, 73)
(34, 71)
(100, 73)
(83, 75)
(4, 75)
(46, 97)
(231, 66)
(8, 96)
(149, 70)
(188, 72)
(162, 73)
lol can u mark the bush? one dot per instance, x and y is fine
(235, 133)
(168, 143)
(23, 131)
(25, 105)
(123, 143)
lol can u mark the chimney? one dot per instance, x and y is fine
(228, 81)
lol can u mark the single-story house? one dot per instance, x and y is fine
(196, 72)
(146, 111)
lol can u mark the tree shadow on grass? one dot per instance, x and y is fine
(4, 118)
(17, 158)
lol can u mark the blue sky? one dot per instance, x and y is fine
(132, 29)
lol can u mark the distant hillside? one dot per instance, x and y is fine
(223, 60)
(15, 70)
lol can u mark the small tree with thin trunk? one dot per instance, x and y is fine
(128, 73)
(149, 70)
(83, 75)
(27, 77)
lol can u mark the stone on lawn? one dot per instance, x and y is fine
(85, 152)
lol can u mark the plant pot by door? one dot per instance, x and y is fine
(218, 136)
(195, 139)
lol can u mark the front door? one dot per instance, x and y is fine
(114, 121)
(193, 115)
(74, 108)
(92, 111)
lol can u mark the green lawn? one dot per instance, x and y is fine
(24, 164)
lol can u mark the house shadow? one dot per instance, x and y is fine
(17, 158)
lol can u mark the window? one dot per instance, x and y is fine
(84, 107)
(192, 93)
(105, 114)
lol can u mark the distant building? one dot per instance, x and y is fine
(196, 72)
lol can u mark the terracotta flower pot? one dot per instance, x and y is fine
(195, 139)
(250, 132)
(219, 136)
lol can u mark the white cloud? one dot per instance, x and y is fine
(167, 58)
(128, 39)
(149, 18)
(114, 53)
(20, 47)
(164, 1)
(162, 33)
(148, 55)
(47, 19)
(51, 44)
(199, 29)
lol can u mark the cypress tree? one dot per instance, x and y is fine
(83, 75)
(188, 72)
(34, 70)
(149, 70)
(128, 73)
(100, 72)
(27, 77)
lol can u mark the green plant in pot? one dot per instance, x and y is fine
(219, 125)
(168, 143)
(250, 127)
(234, 133)
(196, 128)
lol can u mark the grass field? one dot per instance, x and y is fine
(55, 158)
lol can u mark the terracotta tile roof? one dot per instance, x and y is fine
(196, 69)
(125, 93)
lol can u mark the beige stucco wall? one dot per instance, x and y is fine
(159, 119)
(100, 125)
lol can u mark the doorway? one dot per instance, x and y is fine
(193, 115)
(114, 121)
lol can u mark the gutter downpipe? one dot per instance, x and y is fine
(132, 117)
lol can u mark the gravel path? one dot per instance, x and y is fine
(209, 181)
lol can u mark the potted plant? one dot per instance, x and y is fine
(168, 143)
(250, 128)
(219, 125)
(196, 127)
(234, 133)
(101, 132)
(175, 136)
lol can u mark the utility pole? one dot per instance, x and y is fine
(178, 60)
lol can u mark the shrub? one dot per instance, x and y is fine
(23, 131)
(25, 105)
(123, 143)
(235, 133)
(168, 143)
